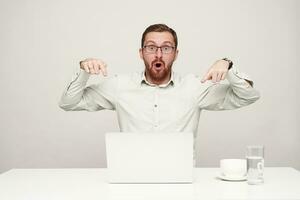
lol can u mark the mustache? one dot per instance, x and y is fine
(157, 60)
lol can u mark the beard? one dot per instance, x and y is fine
(158, 71)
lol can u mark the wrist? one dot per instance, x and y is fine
(230, 63)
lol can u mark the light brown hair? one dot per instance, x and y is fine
(159, 28)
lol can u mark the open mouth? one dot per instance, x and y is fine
(158, 65)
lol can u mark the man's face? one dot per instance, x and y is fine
(158, 64)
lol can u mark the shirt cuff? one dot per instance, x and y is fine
(235, 76)
(81, 76)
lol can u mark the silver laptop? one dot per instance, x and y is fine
(149, 157)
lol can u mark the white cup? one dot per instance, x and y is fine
(233, 168)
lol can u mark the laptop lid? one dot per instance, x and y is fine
(150, 157)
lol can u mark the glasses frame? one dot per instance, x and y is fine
(159, 47)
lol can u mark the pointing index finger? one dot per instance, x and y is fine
(206, 77)
(102, 67)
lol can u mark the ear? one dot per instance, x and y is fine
(176, 54)
(141, 53)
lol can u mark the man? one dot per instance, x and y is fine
(158, 99)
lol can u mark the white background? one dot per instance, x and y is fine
(41, 43)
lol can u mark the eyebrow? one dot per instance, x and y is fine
(165, 42)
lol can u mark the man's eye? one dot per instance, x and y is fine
(151, 47)
(166, 48)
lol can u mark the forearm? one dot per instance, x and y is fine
(242, 86)
(73, 94)
(238, 93)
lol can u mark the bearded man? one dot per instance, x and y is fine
(158, 99)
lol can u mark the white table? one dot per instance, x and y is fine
(90, 184)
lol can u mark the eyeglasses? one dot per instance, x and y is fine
(153, 49)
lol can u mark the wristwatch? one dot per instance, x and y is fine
(229, 62)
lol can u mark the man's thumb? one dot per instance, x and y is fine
(205, 78)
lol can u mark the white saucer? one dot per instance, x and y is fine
(226, 178)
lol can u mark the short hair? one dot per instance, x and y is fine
(159, 28)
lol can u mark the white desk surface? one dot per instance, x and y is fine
(90, 184)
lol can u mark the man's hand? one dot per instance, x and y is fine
(93, 66)
(217, 72)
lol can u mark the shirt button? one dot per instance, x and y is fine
(155, 105)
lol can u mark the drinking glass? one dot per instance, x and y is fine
(255, 165)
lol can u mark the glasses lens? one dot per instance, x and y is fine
(151, 48)
(166, 49)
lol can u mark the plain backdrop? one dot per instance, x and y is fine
(42, 42)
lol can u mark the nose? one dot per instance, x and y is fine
(158, 53)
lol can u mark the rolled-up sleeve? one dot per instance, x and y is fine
(92, 98)
(238, 93)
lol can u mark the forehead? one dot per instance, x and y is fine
(159, 37)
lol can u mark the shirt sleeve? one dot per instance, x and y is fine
(236, 94)
(91, 98)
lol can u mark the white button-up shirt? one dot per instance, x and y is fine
(141, 106)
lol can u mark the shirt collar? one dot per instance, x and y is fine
(143, 80)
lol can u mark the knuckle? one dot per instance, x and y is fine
(83, 63)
